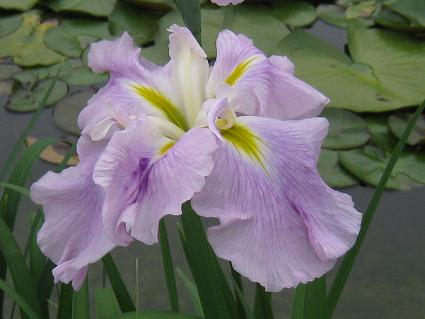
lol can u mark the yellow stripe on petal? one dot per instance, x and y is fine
(240, 70)
(164, 149)
(246, 142)
(162, 103)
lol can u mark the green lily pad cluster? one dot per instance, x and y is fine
(373, 86)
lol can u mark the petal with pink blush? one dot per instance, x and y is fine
(280, 224)
(72, 235)
(146, 176)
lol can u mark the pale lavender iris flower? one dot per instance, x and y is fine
(240, 139)
(226, 2)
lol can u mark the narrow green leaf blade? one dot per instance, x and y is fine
(168, 266)
(81, 309)
(106, 304)
(156, 315)
(20, 301)
(348, 261)
(263, 304)
(120, 290)
(193, 292)
(65, 302)
(21, 190)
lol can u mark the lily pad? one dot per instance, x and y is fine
(392, 20)
(380, 133)
(100, 8)
(55, 153)
(363, 9)
(9, 24)
(21, 5)
(346, 130)
(368, 165)
(398, 122)
(5, 88)
(7, 70)
(26, 45)
(141, 25)
(414, 10)
(332, 14)
(65, 113)
(295, 13)
(72, 36)
(160, 5)
(386, 72)
(332, 172)
(26, 100)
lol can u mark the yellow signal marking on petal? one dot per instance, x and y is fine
(240, 70)
(164, 149)
(161, 102)
(246, 142)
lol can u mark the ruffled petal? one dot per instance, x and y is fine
(280, 224)
(190, 70)
(226, 2)
(72, 235)
(147, 176)
(257, 85)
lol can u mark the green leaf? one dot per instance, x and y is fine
(106, 304)
(65, 302)
(389, 81)
(8, 24)
(26, 100)
(295, 13)
(167, 261)
(120, 290)
(156, 315)
(26, 45)
(190, 11)
(16, 263)
(392, 20)
(20, 301)
(68, 38)
(202, 261)
(368, 164)
(332, 172)
(414, 10)
(100, 8)
(81, 307)
(158, 5)
(310, 300)
(141, 25)
(21, 5)
(398, 122)
(332, 14)
(346, 130)
(349, 259)
(19, 189)
(363, 9)
(7, 70)
(263, 303)
(193, 292)
(65, 113)
(380, 133)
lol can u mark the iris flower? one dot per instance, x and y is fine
(226, 2)
(239, 139)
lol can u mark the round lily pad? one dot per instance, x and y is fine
(26, 100)
(414, 10)
(398, 122)
(346, 129)
(100, 8)
(332, 14)
(295, 13)
(9, 24)
(7, 70)
(379, 132)
(65, 113)
(332, 172)
(368, 165)
(55, 153)
(22, 5)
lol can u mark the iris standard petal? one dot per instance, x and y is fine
(280, 224)
(190, 70)
(257, 85)
(72, 235)
(147, 176)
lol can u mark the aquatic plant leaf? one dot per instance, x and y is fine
(385, 74)
(159, 5)
(155, 315)
(25, 45)
(380, 133)
(332, 172)
(295, 13)
(398, 122)
(7, 70)
(81, 304)
(21, 5)
(72, 36)
(414, 10)
(100, 8)
(346, 129)
(8, 24)
(395, 21)
(193, 292)
(19, 300)
(368, 164)
(141, 25)
(106, 304)
(65, 113)
(55, 153)
(26, 100)
(332, 14)
(66, 294)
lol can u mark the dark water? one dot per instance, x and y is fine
(388, 280)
